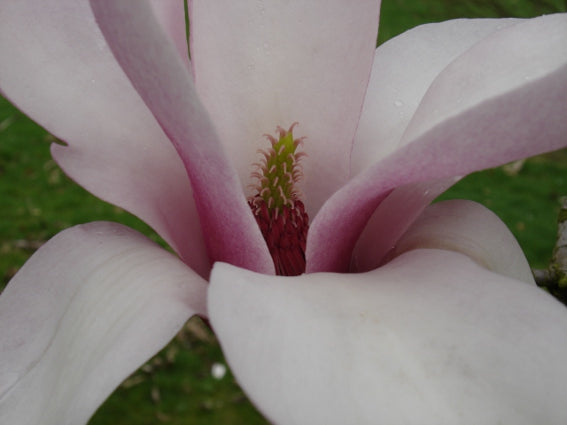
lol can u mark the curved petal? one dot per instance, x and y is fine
(473, 230)
(404, 68)
(514, 120)
(431, 338)
(497, 65)
(149, 59)
(261, 64)
(59, 70)
(171, 16)
(391, 219)
(83, 313)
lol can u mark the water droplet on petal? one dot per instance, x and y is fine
(267, 49)
(398, 103)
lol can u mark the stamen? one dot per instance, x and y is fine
(279, 212)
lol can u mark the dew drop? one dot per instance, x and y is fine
(260, 7)
(267, 49)
(398, 103)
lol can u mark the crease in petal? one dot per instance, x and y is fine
(306, 62)
(62, 74)
(471, 229)
(153, 66)
(525, 121)
(432, 338)
(87, 309)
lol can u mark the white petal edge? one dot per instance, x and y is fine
(501, 63)
(404, 68)
(431, 338)
(62, 74)
(84, 312)
(471, 229)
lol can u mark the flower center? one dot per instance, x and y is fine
(276, 206)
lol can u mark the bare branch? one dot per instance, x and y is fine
(554, 278)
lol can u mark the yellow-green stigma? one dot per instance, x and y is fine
(278, 210)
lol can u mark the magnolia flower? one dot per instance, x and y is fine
(442, 324)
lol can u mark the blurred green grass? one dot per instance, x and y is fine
(176, 387)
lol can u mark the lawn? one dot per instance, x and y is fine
(176, 387)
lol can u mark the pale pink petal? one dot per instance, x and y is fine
(473, 230)
(404, 68)
(58, 69)
(83, 313)
(507, 60)
(151, 62)
(390, 220)
(430, 338)
(515, 119)
(261, 64)
(171, 16)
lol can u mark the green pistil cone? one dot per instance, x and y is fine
(280, 173)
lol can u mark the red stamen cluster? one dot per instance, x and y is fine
(279, 213)
(285, 234)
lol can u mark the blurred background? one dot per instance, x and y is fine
(185, 383)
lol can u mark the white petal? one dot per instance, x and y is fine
(404, 68)
(473, 230)
(507, 61)
(171, 16)
(511, 108)
(153, 65)
(260, 64)
(58, 70)
(83, 313)
(391, 219)
(431, 338)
